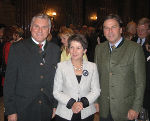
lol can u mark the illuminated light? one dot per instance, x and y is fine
(51, 13)
(54, 13)
(93, 17)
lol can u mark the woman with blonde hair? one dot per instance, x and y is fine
(130, 32)
(64, 35)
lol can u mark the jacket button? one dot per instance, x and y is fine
(42, 89)
(40, 102)
(40, 51)
(41, 76)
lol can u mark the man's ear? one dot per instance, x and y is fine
(121, 30)
(49, 30)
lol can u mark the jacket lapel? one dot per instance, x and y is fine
(71, 73)
(85, 68)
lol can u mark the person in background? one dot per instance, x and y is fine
(76, 84)
(18, 34)
(121, 66)
(2, 29)
(92, 42)
(142, 32)
(30, 74)
(8, 39)
(147, 59)
(130, 32)
(64, 35)
(143, 39)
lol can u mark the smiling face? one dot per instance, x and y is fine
(40, 28)
(112, 30)
(142, 31)
(76, 50)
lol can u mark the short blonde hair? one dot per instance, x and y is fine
(66, 31)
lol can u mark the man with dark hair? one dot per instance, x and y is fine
(121, 67)
(30, 73)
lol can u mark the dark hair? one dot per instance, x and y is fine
(8, 33)
(79, 38)
(115, 17)
(19, 31)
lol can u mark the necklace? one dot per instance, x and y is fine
(78, 69)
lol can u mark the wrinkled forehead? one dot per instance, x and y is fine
(110, 22)
(41, 21)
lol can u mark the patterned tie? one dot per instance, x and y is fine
(113, 47)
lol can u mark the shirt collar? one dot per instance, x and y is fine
(143, 40)
(116, 44)
(43, 43)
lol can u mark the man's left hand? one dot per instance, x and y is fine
(132, 114)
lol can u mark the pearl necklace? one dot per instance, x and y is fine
(77, 69)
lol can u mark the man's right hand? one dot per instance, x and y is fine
(12, 117)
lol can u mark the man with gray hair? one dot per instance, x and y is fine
(143, 31)
(30, 73)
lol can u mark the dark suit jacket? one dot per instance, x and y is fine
(147, 91)
(143, 46)
(29, 81)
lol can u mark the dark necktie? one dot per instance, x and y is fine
(140, 41)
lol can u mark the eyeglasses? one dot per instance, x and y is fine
(142, 30)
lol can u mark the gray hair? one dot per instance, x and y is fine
(42, 16)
